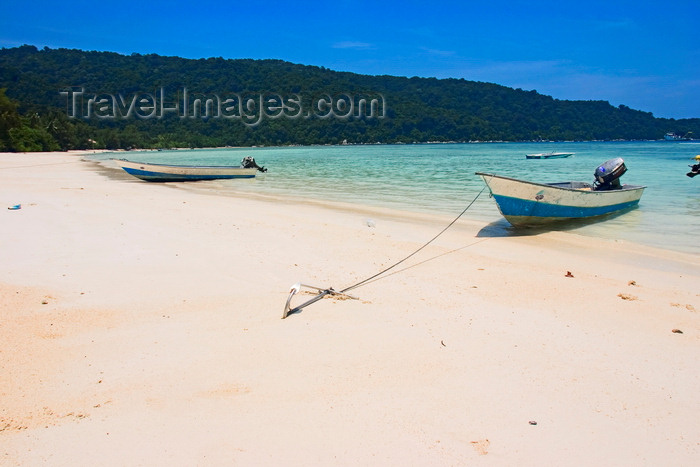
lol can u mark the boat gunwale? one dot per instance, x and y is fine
(182, 166)
(554, 186)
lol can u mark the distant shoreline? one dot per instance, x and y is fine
(102, 151)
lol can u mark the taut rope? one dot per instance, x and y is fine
(330, 291)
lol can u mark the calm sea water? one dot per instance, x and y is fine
(440, 178)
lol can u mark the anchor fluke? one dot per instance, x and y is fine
(296, 288)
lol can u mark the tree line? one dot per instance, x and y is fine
(62, 99)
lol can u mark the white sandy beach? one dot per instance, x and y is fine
(140, 324)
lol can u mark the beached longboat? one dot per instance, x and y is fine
(186, 173)
(525, 203)
(549, 155)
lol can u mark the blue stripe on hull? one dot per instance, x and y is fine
(537, 209)
(166, 177)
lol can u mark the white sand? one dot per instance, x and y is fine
(140, 325)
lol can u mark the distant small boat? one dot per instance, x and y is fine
(676, 137)
(549, 155)
(187, 173)
(525, 203)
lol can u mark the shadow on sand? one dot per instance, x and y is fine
(502, 228)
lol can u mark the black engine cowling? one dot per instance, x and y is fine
(607, 175)
(248, 162)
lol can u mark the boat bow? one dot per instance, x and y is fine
(530, 203)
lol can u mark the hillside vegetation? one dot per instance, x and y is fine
(64, 99)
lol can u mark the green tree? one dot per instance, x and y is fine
(9, 119)
(28, 139)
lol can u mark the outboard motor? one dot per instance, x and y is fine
(607, 175)
(248, 162)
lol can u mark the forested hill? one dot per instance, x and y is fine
(73, 99)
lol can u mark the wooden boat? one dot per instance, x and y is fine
(525, 203)
(549, 155)
(187, 173)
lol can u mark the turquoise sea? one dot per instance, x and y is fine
(439, 178)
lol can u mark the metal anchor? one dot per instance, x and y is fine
(296, 288)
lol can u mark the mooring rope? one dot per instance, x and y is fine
(415, 252)
(330, 291)
(426, 260)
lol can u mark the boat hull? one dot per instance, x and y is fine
(549, 155)
(525, 203)
(183, 173)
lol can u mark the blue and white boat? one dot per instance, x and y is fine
(525, 203)
(187, 173)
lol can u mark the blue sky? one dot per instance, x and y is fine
(644, 54)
